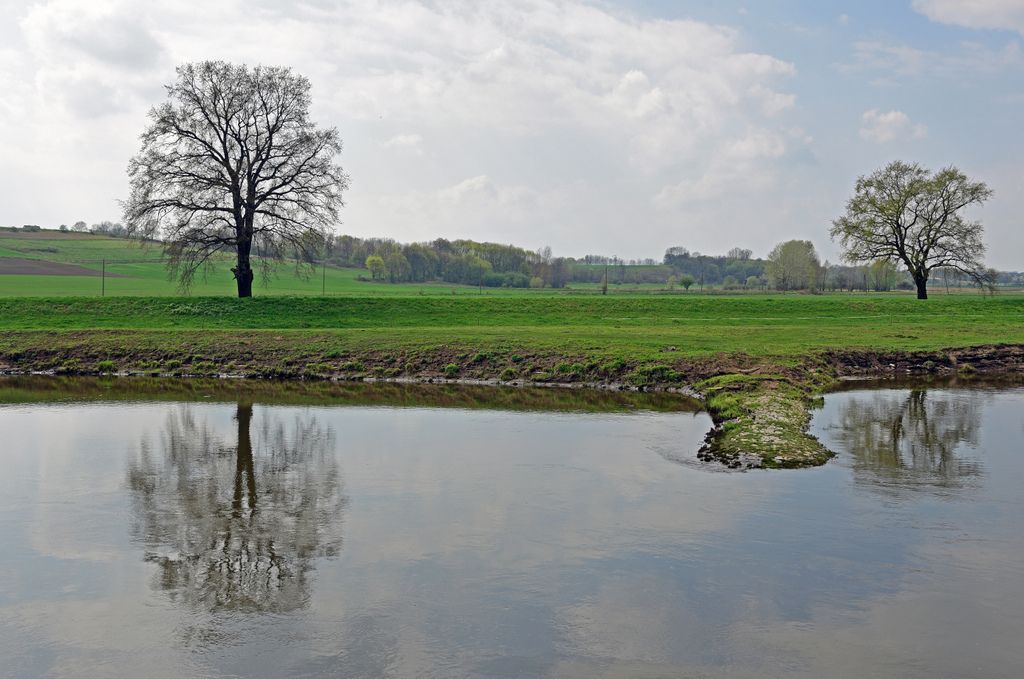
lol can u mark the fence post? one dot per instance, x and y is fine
(103, 279)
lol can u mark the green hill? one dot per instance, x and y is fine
(57, 264)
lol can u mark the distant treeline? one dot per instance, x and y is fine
(459, 261)
(496, 265)
(792, 265)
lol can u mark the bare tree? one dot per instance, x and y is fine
(905, 213)
(232, 163)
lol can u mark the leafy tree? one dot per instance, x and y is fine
(753, 282)
(375, 263)
(906, 213)
(739, 253)
(793, 265)
(686, 280)
(232, 162)
(883, 275)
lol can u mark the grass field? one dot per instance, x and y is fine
(361, 314)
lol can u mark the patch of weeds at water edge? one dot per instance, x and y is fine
(654, 374)
(760, 421)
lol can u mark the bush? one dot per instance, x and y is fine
(105, 366)
(508, 374)
(451, 370)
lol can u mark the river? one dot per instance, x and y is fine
(220, 529)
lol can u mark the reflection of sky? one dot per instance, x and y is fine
(482, 543)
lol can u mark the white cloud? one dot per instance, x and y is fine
(411, 142)
(541, 103)
(1005, 15)
(882, 127)
(744, 166)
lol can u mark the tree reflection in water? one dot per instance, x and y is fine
(236, 526)
(911, 439)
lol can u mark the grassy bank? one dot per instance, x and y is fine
(757, 360)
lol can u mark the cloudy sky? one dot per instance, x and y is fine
(607, 127)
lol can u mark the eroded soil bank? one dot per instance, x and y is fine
(761, 406)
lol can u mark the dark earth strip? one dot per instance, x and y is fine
(38, 267)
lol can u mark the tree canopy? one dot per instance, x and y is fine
(793, 265)
(231, 162)
(906, 213)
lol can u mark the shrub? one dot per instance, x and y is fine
(613, 368)
(105, 366)
(451, 370)
(70, 365)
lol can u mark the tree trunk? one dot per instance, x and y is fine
(922, 287)
(244, 276)
(243, 271)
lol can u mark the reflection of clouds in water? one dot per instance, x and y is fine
(74, 485)
(954, 627)
(235, 522)
(629, 619)
(916, 439)
(102, 637)
(466, 538)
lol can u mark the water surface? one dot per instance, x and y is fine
(170, 528)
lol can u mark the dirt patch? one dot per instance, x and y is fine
(46, 234)
(38, 267)
(1005, 358)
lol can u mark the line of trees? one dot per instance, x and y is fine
(736, 269)
(460, 261)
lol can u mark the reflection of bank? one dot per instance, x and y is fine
(916, 438)
(237, 527)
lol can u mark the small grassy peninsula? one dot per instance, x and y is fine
(758, 362)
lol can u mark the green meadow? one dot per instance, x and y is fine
(627, 324)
